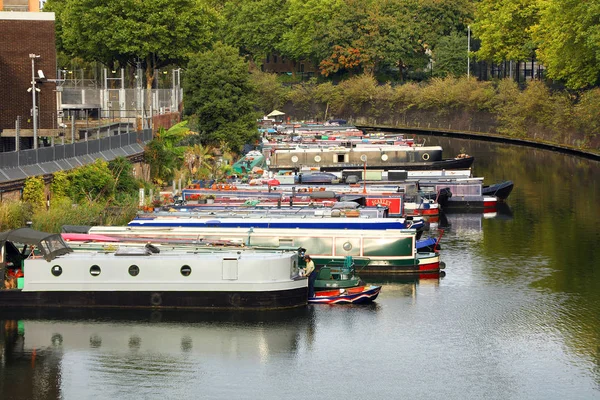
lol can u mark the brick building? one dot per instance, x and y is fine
(22, 34)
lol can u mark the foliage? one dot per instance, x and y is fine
(450, 56)
(33, 192)
(587, 114)
(504, 28)
(254, 26)
(218, 90)
(92, 182)
(63, 212)
(14, 214)
(271, 94)
(122, 171)
(60, 185)
(568, 38)
(165, 152)
(155, 33)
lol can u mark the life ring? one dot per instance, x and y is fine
(156, 299)
(425, 156)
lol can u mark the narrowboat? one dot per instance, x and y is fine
(144, 277)
(209, 221)
(391, 251)
(382, 157)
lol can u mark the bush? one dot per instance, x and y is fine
(14, 214)
(33, 192)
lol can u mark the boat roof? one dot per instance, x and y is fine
(50, 244)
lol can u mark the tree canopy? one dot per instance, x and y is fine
(219, 93)
(153, 33)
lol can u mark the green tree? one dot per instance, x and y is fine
(218, 91)
(254, 26)
(155, 33)
(450, 56)
(568, 38)
(125, 182)
(504, 28)
(33, 192)
(271, 94)
(92, 182)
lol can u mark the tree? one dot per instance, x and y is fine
(155, 33)
(254, 26)
(92, 182)
(218, 91)
(504, 28)
(271, 94)
(568, 38)
(450, 56)
(125, 183)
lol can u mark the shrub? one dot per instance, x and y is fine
(33, 192)
(14, 214)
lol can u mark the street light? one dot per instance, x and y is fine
(468, 50)
(33, 90)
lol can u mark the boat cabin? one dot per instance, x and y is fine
(20, 244)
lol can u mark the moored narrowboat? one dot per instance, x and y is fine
(146, 278)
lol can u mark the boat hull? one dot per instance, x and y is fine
(199, 300)
(425, 263)
(357, 295)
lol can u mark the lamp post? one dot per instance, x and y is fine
(33, 94)
(468, 50)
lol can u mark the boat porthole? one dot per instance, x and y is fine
(294, 159)
(156, 299)
(134, 270)
(425, 156)
(384, 157)
(347, 246)
(186, 270)
(317, 158)
(56, 270)
(95, 270)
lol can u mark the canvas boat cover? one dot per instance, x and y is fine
(51, 245)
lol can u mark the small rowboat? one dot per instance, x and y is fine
(354, 295)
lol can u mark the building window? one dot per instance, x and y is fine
(274, 59)
(267, 59)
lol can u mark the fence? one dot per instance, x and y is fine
(19, 165)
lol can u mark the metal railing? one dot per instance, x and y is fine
(17, 165)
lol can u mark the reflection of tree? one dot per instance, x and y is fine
(551, 243)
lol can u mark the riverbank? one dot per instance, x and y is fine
(489, 137)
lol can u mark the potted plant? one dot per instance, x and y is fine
(157, 203)
(210, 199)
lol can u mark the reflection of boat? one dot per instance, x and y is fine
(353, 295)
(146, 278)
(500, 190)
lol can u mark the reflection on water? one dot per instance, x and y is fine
(516, 316)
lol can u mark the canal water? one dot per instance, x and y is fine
(517, 316)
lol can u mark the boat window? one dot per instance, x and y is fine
(340, 158)
(186, 270)
(56, 270)
(95, 270)
(134, 270)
